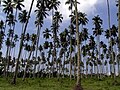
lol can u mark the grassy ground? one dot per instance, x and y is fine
(62, 84)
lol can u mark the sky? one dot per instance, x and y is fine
(87, 6)
(90, 7)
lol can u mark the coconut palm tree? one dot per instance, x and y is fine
(41, 13)
(114, 31)
(33, 39)
(71, 2)
(53, 6)
(92, 53)
(82, 20)
(21, 44)
(64, 45)
(15, 40)
(78, 83)
(22, 17)
(8, 43)
(18, 6)
(104, 51)
(57, 19)
(8, 7)
(46, 34)
(109, 26)
(119, 25)
(2, 34)
(97, 21)
(11, 22)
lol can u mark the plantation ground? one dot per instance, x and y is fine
(62, 84)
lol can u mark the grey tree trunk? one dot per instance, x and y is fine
(38, 36)
(63, 67)
(21, 45)
(78, 47)
(27, 65)
(119, 32)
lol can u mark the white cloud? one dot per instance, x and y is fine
(87, 6)
(27, 4)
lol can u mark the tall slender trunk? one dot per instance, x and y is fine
(71, 45)
(109, 25)
(74, 70)
(21, 45)
(63, 68)
(86, 70)
(54, 48)
(39, 68)
(11, 40)
(8, 60)
(103, 66)
(70, 55)
(111, 70)
(38, 36)
(99, 54)
(78, 47)
(26, 65)
(119, 32)
(52, 66)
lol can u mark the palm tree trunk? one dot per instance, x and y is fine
(70, 55)
(111, 70)
(13, 31)
(21, 45)
(78, 83)
(63, 68)
(52, 66)
(71, 46)
(54, 48)
(38, 36)
(26, 65)
(99, 53)
(119, 31)
(7, 66)
(109, 25)
(39, 68)
(74, 70)
(86, 70)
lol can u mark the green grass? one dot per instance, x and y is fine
(61, 84)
